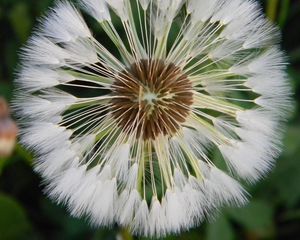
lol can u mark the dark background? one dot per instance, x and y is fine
(25, 213)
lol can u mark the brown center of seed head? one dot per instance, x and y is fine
(151, 98)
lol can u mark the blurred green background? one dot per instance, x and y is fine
(25, 213)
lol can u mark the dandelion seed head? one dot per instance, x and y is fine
(128, 134)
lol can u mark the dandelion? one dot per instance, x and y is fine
(8, 130)
(130, 134)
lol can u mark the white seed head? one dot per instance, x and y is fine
(127, 136)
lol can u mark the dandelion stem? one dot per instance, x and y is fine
(272, 9)
(125, 234)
